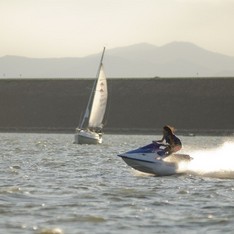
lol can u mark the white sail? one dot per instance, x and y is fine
(98, 108)
(89, 131)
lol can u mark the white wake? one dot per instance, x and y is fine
(218, 162)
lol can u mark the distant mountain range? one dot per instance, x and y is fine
(176, 59)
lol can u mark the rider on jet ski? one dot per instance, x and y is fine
(173, 143)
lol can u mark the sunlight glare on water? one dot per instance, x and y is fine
(217, 162)
(51, 186)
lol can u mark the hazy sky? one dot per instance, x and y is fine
(76, 28)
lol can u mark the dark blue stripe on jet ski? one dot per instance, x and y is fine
(151, 148)
(145, 149)
(142, 160)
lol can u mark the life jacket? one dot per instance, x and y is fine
(173, 139)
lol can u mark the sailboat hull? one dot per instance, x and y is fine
(87, 137)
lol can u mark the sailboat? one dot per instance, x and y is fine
(90, 129)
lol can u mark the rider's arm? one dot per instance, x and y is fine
(163, 138)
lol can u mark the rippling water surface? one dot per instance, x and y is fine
(50, 185)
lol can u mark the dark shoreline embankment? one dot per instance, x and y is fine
(203, 106)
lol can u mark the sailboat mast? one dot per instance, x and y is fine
(103, 52)
(88, 108)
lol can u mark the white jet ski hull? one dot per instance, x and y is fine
(151, 159)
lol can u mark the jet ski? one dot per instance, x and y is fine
(154, 159)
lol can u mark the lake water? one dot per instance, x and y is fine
(50, 185)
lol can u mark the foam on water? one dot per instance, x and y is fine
(218, 162)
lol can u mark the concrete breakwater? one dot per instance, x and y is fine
(192, 105)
